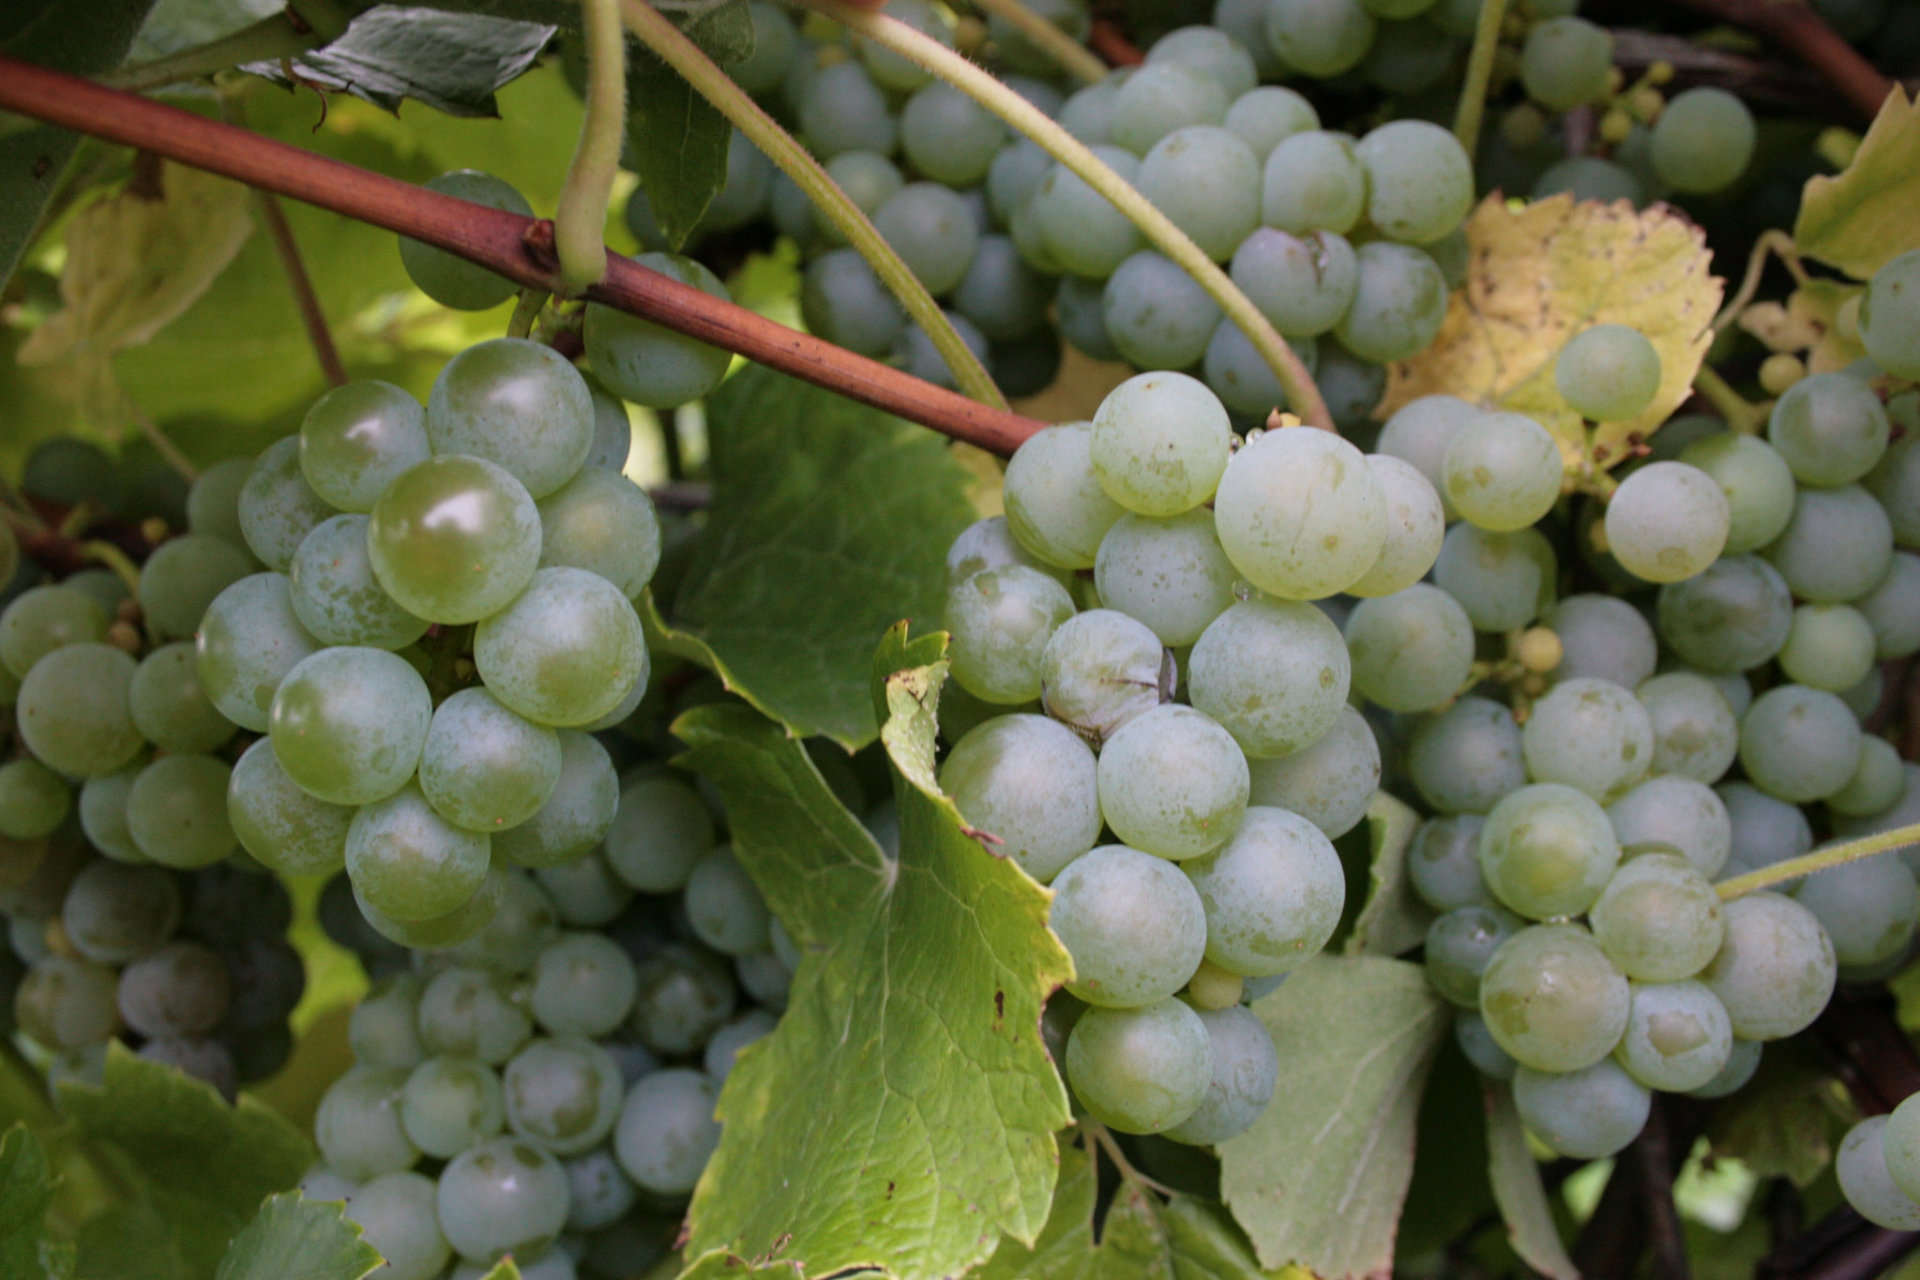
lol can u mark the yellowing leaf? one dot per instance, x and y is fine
(1820, 301)
(1542, 274)
(1869, 213)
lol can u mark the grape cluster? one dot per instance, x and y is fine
(546, 1088)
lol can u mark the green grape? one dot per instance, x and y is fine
(67, 1003)
(1214, 53)
(1742, 1062)
(1420, 431)
(1033, 783)
(522, 926)
(335, 595)
(948, 137)
(1459, 945)
(213, 503)
(600, 1192)
(248, 642)
(1679, 813)
(1407, 58)
(1866, 1180)
(576, 815)
(115, 913)
(660, 830)
(1502, 471)
(383, 1029)
(1765, 830)
(1000, 621)
(449, 1104)
(1465, 758)
(72, 711)
(1587, 1114)
(183, 989)
(278, 822)
(181, 578)
(177, 811)
(1837, 546)
(1319, 38)
(440, 932)
(106, 587)
(889, 69)
(932, 230)
(1140, 1070)
(1173, 783)
(563, 1095)
(103, 814)
(1102, 668)
(1702, 141)
(1303, 283)
(1161, 97)
(357, 1126)
(1083, 231)
(503, 1196)
(1272, 894)
(469, 1013)
(1057, 509)
(1502, 580)
(1236, 371)
(1246, 1069)
(1867, 908)
(1478, 1046)
(1268, 114)
(518, 404)
(1330, 783)
(42, 619)
(1732, 617)
(1273, 673)
(1799, 744)
(1901, 1142)
(728, 1041)
(583, 985)
(646, 363)
(1659, 919)
(1553, 1000)
(348, 724)
(565, 652)
(1443, 862)
(1774, 970)
(1207, 181)
(1878, 783)
(1830, 429)
(1412, 650)
(724, 906)
(1416, 526)
(841, 109)
(844, 302)
(1548, 850)
(1003, 297)
(1015, 175)
(666, 1131)
(454, 539)
(989, 544)
(409, 863)
(448, 279)
(1158, 316)
(395, 1214)
(1565, 63)
(33, 800)
(277, 508)
(1300, 513)
(1890, 316)
(1419, 180)
(1399, 303)
(357, 438)
(1758, 485)
(1829, 646)
(1132, 923)
(1169, 573)
(484, 768)
(612, 433)
(1892, 609)
(168, 705)
(1695, 733)
(1314, 181)
(683, 996)
(1591, 734)
(1667, 522)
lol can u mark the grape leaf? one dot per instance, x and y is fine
(1518, 1191)
(902, 1116)
(1869, 213)
(295, 1237)
(201, 1165)
(1808, 322)
(84, 37)
(830, 522)
(1786, 1121)
(452, 62)
(1448, 1195)
(718, 1264)
(677, 143)
(174, 25)
(1544, 272)
(1394, 920)
(26, 1189)
(1142, 1237)
(1320, 1178)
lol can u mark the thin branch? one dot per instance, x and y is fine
(1758, 80)
(1769, 243)
(1819, 860)
(1473, 93)
(1741, 416)
(1108, 1144)
(807, 173)
(1111, 43)
(1664, 1232)
(580, 216)
(515, 247)
(1798, 28)
(1303, 397)
(1072, 56)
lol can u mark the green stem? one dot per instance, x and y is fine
(1819, 860)
(1303, 397)
(1075, 58)
(1473, 93)
(580, 217)
(1741, 416)
(526, 311)
(284, 34)
(1769, 243)
(114, 558)
(779, 146)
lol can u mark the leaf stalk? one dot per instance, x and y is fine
(1819, 860)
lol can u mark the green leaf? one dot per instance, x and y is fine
(1869, 213)
(84, 37)
(1518, 1191)
(452, 62)
(830, 522)
(1320, 1178)
(1394, 920)
(1449, 1193)
(293, 1238)
(902, 1115)
(718, 1264)
(174, 25)
(677, 143)
(1786, 1121)
(203, 1166)
(26, 1189)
